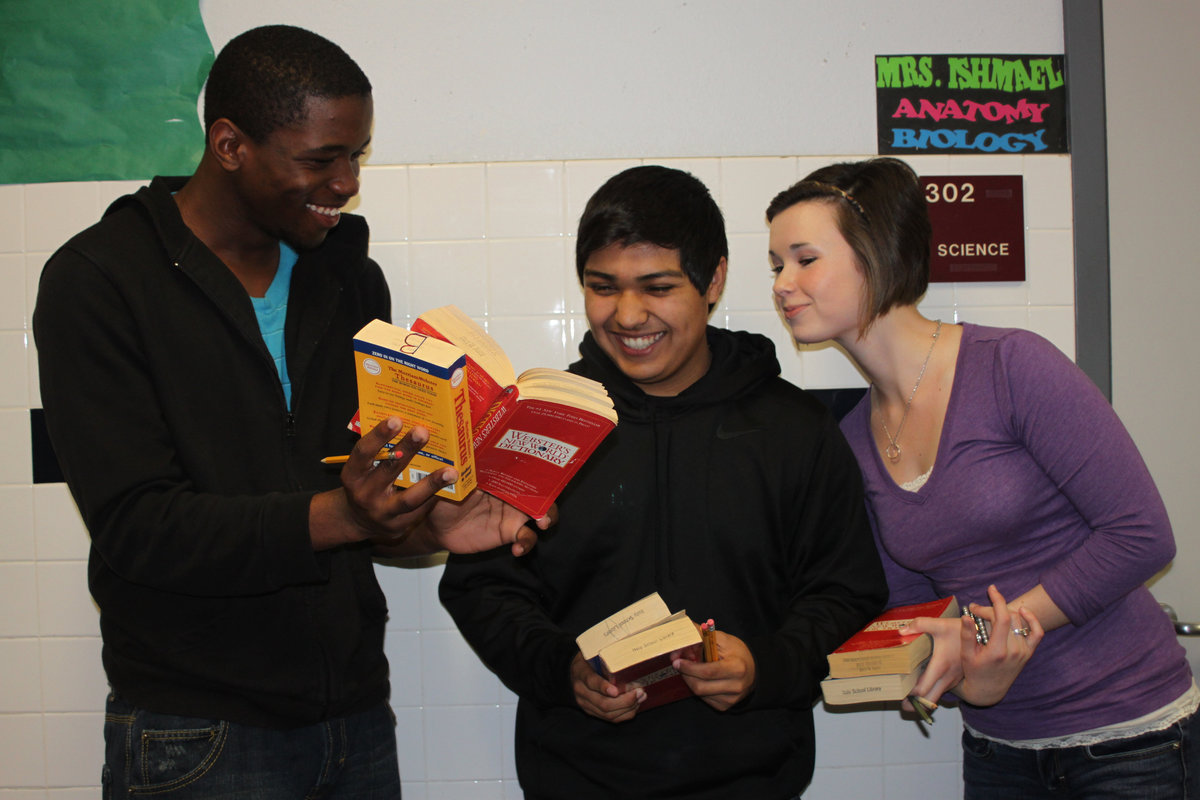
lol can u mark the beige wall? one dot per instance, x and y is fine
(1151, 65)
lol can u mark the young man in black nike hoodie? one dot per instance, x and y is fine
(726, 489)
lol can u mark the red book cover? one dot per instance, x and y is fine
(661, 681)
(527, 449)
(883, 630)
(482, 389)
(879, 648)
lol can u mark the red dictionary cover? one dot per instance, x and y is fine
(882, 631)
(526, 450)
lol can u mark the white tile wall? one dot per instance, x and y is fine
(497, 239)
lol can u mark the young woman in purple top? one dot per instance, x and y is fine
(998, 473)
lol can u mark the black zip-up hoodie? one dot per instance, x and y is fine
(194, 477)
(738, 500)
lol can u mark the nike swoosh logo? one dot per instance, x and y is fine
(724, 434)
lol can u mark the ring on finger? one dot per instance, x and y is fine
(1021, 631)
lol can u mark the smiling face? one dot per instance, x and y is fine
(648, 317)
(294, 183)
(818, 286)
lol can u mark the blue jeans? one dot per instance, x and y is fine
(184, 758)
(1163, 765)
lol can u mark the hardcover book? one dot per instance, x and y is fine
(880, 649)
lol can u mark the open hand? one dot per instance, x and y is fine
(412, 521)
(483, 522)
(386, 513)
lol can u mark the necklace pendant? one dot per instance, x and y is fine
(892, 451)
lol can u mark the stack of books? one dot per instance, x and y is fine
(878, 663)
(637, 646)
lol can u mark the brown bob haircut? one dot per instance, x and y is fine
(880, 212)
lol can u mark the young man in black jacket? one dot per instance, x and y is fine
(726, 489)
(196, 362)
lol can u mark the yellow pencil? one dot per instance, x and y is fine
(923, 707)
(708, 636)
(929, 704)
(382, 455)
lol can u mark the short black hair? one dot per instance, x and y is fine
(262, 79)
(656, 205)
(881, 212)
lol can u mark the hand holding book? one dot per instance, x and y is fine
(483, 522)
(943, 669)
(402, 522)
(601, 698)
(639, 647)
(366, 507)
(892, 658)
(724, 680)
(978, 672)
(874, 664)
(665, 656)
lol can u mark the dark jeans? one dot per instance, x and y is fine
(159, 755)
(1163, 765)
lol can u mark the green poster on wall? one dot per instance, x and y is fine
(100, 89)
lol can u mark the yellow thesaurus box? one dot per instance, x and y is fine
(423, 381)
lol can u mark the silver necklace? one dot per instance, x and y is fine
(892, 451)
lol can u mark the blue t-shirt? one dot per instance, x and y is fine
(271, 310)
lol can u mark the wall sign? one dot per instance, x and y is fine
(970, 104)
(978, 227)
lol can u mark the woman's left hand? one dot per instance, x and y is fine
(943, 671)
(990, 669)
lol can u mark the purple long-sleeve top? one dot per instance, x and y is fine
(1037, 481)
